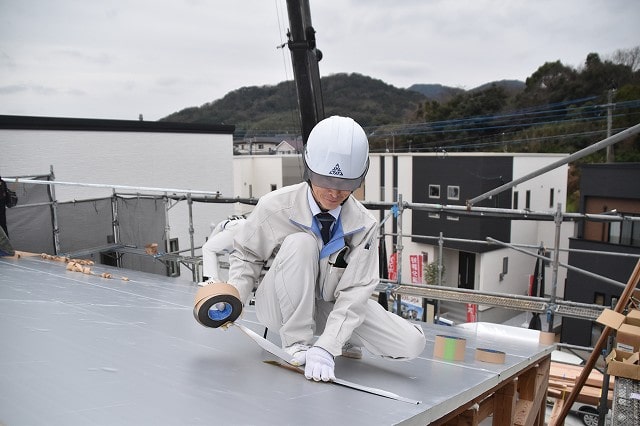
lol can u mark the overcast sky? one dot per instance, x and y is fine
(121, 58)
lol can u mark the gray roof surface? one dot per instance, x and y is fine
(84, 350)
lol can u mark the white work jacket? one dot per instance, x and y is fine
(348, 283)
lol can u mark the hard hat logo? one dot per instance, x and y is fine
(336, 170)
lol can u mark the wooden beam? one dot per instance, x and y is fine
(533, 394)
(555, 412)
(505, 404)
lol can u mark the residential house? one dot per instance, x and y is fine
(611, 188)
(452, 179)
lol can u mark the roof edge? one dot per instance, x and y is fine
(21, 122)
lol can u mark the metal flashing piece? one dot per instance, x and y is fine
(283, 355)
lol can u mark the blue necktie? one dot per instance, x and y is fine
(326, 220)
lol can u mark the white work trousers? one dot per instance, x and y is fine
(220, 242)
(286, 302)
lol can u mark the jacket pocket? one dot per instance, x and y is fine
(333, 273)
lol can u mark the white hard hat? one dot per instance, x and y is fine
(336, 155)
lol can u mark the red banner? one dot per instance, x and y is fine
(472, 312)
(393, 266)
(415, 261)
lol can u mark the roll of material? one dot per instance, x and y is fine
(490, 355)
(450, 348)
(217, 304)
(547, 338)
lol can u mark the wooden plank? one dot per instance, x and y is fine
(529, 408)
(572, 372)
(486, 408)
(505, 404)
(469, 417)
(555, 412)
(527, 384)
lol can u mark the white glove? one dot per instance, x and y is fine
(319, 365)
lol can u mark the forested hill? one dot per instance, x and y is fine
(558, 108)
(273, 109)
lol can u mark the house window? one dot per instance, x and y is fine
(434, 191)
(515, 200)
(614, 233)
(274, 186)
(527, 200)
(551, 197)
(626, 233)
(598, 299)
(453, 192)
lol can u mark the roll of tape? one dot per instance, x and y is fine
(490, 355)
(547, 338)
(217, 304)
(450, 348)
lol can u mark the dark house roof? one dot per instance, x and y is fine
(20, 122)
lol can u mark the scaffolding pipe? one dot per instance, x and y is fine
(115, 225)
(556, 261)
(122, 187)
(167, 226)
(511, 213)
(440, 245)
(457, 209)
(191, 239)
(398, 250)
(54, 213)
(534, 246)
(631, 131)
(569, 267)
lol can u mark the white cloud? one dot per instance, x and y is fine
(125, 57)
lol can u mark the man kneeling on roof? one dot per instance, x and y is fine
(322, 244)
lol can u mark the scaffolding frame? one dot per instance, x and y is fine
(551, 306)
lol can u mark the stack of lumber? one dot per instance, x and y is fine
(562, 378)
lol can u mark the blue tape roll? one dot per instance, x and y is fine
(218, 315)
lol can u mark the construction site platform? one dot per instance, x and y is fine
(82, 349)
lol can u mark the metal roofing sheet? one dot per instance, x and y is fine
(82, 349)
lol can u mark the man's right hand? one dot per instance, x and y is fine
(319, 365)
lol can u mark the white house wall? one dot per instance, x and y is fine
(254, 174)
(257, 175)
(194, 161)
(543, 232)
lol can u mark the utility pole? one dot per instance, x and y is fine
(304, 59)
(610, 155)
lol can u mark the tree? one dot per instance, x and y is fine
(628, 57)
(431, 274)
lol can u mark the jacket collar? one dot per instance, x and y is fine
(352, 218)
